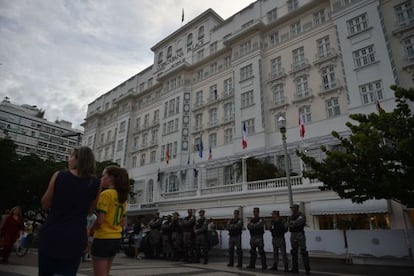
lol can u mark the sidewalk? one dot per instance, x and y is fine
(124, 266)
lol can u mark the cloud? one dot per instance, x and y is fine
(61, 55)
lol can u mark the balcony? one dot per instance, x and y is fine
(198, 105)
(325, 56)
(303, 96)
(277, 75)
(300, 66)
(228, 119)
(213, 123)
(228, 93)
(331, 87)
(197, 128)
(408, 63)
(279, 104)
(266, 186)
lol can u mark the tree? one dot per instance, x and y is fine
(376, 160)
(259, 169)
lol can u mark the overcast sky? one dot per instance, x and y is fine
(61, 55)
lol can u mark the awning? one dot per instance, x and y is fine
(266, 210)
(346, 206)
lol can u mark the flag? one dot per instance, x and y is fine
(210, 154)
(244, 136)
(378, 105)
(158, 175)
(195, 172)
(167, 154)
(301, 125)
(188, 160)
(182, 16)
(200, 148)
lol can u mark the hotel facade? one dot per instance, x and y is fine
(321, 60)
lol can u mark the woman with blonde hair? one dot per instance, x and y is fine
(69, 197)
(111, 212)
(11, 230)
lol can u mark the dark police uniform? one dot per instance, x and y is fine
(235, 228)
(278, 228)
(256, 228)
(188, 237)
(297, 222)
(200, 230)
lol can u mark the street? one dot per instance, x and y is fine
(124, 266)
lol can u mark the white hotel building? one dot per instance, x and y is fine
(323, 58)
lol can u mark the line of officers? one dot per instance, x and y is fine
(187, 239)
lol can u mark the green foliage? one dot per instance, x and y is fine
(259, 169)
(376, 160)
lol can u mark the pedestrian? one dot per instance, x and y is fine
(201, 231)
(111, 212)
(188, 236)
(297, 222)
(138, 233)
(155, 235)
(256, 228)
(12, 229)
(235, 228)
(90, 220)
(3, 220)
(166, 237)
(278, 228)
(71, 194)
(176, 236)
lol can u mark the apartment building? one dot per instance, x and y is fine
(178, 125)
(33, 134)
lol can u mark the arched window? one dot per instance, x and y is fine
(171, 184)
(169, 52)
(189, 40)
(201, 32)
(160, 58)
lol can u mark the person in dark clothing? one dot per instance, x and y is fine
(297, 222)
(278, 228)
(201, 232)
(188, 236)
(137, 238)
(155, 235)
(12, 228)
(235, 228)
(69, 197)
(176, 237)
(256, 228)
(166, 237)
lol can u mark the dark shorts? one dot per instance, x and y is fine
(105, 248)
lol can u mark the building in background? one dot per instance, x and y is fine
(32, 133)
(178, 125)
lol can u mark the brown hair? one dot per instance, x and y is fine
(85, 162)
(121, 181)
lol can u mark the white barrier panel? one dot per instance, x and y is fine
(331, 241)
(378, 243)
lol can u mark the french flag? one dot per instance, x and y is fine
(301, 125)
(244, 136)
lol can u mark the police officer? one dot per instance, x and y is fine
(278, 228)
(188, 236)
(200, 230)
(176, 236)
(166, 237)
(256, 228)
(235, 228)
(155, 236)
(297, 222)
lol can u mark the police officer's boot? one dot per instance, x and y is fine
(305, 257)
(231, 259)
(206, 258)
(240, 260)
(295, 265)
(263, 259)
(286, 268)
(252, 263)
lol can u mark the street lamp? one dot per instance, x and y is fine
(281, 123)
